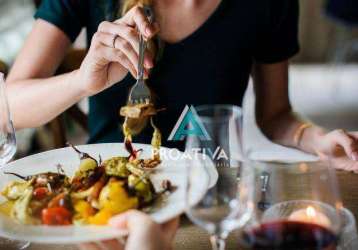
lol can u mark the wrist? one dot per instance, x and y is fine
(311, 139)
(76, 82)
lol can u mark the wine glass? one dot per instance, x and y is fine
(7, 132)
(221, 203)
(7, 150)
(303, 208)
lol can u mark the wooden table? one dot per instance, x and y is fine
(190, 237)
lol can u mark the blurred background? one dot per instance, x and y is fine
(323, 76)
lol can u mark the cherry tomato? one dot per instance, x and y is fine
(40, 193)
(56, 216)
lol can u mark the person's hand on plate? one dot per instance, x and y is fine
(143, 233)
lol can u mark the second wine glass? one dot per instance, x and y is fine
(7, 132)
(7, 151)
(223, 203)
(302, 208)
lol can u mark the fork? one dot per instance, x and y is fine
(140, 93)
(263, 204)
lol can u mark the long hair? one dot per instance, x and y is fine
(129, 4)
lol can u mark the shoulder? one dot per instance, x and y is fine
(68, 15)
(63, 6)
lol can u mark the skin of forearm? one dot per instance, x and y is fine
(34, 102)
(282, 130)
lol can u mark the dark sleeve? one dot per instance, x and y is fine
(278, 40)
(343, 10)
(67, 15)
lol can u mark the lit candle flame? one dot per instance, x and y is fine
(311, 212)
(310, 215)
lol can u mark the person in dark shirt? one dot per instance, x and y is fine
(207, 51)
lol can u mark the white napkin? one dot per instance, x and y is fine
(257, 146)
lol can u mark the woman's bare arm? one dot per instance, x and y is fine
(275, 117)
(34, 96)
(273, 110)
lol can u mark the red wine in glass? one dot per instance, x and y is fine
(289, 235)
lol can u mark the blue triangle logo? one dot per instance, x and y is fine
(189, 124)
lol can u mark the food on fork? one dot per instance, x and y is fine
(136, 117)
(138, 111)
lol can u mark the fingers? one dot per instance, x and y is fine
(129, 40)
(126, 32)
(143, 229)
(349, 143)
(120, 44)
(87, 246)
(136, 18)
(170, 228)
(112, 245)
(113, 55)
(103, 245)
(107, 54)
(354, 135)
(130, 220)
(343, 163)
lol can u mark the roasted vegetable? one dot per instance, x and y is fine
(100, 218)
(82, 194)
(40, 193)
(15, 190)
(127, 131)
(136, 117)
(21, 211)
(54, 181)
(83, 210)
(151, 163)
(143, 187)
(138, 110)
(132, 152)
(87, 180)
(87, 163)
(115, 199)
(116, 166)
(132, 168)
(97, 188)
(6, 207)
(88, 171)
(156, 141)
(56, 216)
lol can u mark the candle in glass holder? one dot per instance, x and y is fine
(310, 215)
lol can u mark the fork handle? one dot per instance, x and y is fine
(143, 44)
(142, 48)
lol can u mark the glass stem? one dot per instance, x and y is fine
(25, 246)
(217, 242)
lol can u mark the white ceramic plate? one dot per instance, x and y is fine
(172, 168)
